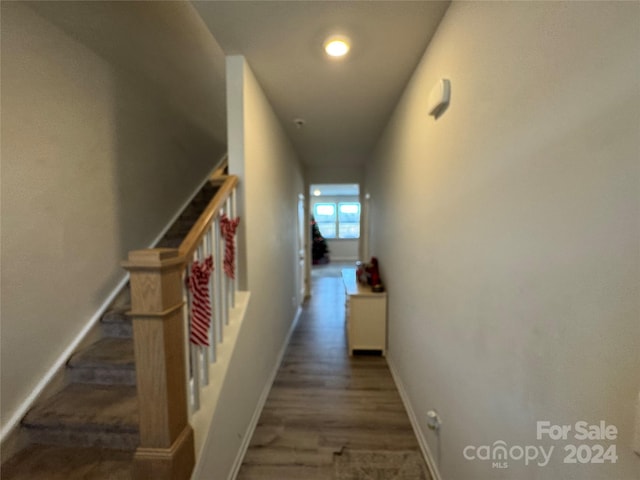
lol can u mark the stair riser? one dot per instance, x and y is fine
(119, 330)
(100, 376)
(74, 438)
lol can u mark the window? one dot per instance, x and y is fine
(325, 215)
(349, 220)
(338, 220)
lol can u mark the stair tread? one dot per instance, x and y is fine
(183, 224)
(109, 352)
(45, 462)
(117, 315)
(88, 407)
(170, 243)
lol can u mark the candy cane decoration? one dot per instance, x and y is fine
(228, 229)
(201, 304)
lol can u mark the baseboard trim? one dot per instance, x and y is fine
(235, 468)
(422, 441)
(341, 259)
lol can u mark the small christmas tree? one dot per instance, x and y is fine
(319, 248)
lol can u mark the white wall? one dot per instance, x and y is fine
(329, 174)
(97, 156)
(270, 182)
(508, 229)
(341, 250)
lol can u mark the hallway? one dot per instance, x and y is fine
(329, 416)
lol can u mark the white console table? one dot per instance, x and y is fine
(366, 315)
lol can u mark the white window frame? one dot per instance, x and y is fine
(336, 205)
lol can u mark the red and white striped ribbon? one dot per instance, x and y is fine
(228, 229)
(198, 282)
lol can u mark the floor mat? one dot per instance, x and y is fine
(379, 465)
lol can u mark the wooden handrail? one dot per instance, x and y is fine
(219, 172)
(193, 238)
(167, 448)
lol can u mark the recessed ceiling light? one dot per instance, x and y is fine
(337, 46)
(317, 192)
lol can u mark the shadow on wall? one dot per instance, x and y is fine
(168, 108)
(161, 158)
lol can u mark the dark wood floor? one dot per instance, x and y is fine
(329, 416)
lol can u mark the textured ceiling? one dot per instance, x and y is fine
(345, 103)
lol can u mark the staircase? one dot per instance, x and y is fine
(89, 429)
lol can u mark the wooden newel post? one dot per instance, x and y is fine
(166, 448)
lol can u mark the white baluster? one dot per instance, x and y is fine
(228, 281)
(213, 334)
(219, 279)
(224, 297)
(198, 256)
(234, 214)
(193, 379)
(187, 351)
(203, 351)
